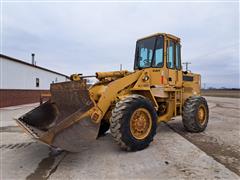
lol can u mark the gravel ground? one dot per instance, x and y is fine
(221, 138)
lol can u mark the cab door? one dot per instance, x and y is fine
(172, 72)
(173, 63)
(178, 65)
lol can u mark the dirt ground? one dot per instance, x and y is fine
(221, 93)
(221, 139)
(174, 153)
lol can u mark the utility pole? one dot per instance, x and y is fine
(186, 63)
(120, 67)
(204, 85)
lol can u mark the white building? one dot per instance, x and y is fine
(24, 81)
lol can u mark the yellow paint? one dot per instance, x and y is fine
(115, 85)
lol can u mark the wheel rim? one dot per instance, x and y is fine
(202, 114)
(140, 123)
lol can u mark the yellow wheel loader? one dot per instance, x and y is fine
(130, 104)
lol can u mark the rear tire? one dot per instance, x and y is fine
(133, 123)
(195, 114)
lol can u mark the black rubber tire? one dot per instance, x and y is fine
(190, 114)
(120, 122)
(104, 127)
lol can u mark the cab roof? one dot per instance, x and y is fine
(163, 34)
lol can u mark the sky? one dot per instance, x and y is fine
(90, 37)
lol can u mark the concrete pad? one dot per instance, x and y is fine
(9, 131)
(20, 162)
(170, 156)
(8, 113)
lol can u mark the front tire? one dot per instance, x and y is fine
(195, 114)
(133, 123)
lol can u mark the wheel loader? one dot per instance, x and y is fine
(129, 103)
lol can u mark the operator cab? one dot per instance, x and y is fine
(150, 51)
(160, 51)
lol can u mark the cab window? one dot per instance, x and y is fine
(170, 55)
(144, 52)
(158, 57)
(146, 57)
(178, 56)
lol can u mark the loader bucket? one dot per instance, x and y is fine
(64, 121)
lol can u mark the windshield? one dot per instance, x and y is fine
(144, 52)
